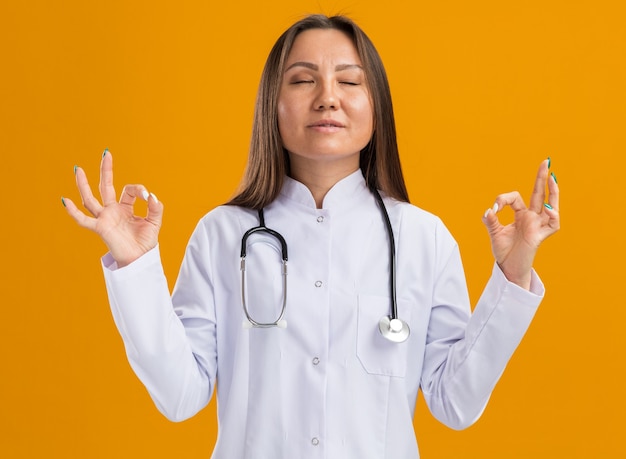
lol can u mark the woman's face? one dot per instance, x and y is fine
(324, 107)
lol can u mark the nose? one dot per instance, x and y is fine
(326, 98)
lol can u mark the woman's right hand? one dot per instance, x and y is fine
(126, 235)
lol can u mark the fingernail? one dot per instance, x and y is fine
(549, 162)
(63, 201)
(144, 195)
(547, 206)
(104, 153)
(495, 208)
(486, 213)
(154, 197)
(75, 167)
(554, 177)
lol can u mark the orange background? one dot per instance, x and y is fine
(483, 91)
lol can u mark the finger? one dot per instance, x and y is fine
(551, 209)
(107, 191)
(554, 220)
(80, 218)
(512, 199)
(87, 197)
(553, 188)
(538, 196)
(130, 193)
(155, 211)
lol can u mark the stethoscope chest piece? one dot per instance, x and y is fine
(395, 330)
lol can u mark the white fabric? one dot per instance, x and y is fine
(327, 386)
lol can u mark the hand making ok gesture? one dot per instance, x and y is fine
(127, 235)
(515, 245)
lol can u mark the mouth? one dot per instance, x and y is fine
(327, 124)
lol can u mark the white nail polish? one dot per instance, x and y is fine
(486, 213)
(154, 197)
(495, 208)
(144, 195)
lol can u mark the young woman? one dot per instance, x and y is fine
(351, 298)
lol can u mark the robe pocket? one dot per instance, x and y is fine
(378, 355)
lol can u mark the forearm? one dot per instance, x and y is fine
(459, 391)
(155, 340)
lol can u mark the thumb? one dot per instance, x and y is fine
(490, 219)
(155, 211)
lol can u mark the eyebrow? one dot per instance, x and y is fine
(310, 65)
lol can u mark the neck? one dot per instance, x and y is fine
(319, 177)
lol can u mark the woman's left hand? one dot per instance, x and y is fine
(515, 245)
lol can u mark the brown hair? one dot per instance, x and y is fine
(268, 161)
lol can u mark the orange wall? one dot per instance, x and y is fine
(483, 92)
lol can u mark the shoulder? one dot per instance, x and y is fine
(223, 221)
(413, 221)
(411, 214)
(221, 228)
(226, 215)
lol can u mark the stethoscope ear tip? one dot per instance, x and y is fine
(282, 323)
(246, 324)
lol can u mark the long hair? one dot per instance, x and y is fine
(268, 161)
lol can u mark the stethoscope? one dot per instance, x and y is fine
(391, 327)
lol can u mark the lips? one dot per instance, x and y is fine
(327, 124)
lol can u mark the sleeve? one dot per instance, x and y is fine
(467, 353)
(174, 358)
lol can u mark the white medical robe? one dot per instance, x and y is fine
(329, 385)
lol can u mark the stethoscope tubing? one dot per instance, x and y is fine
(279, 322)
(392, 254)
